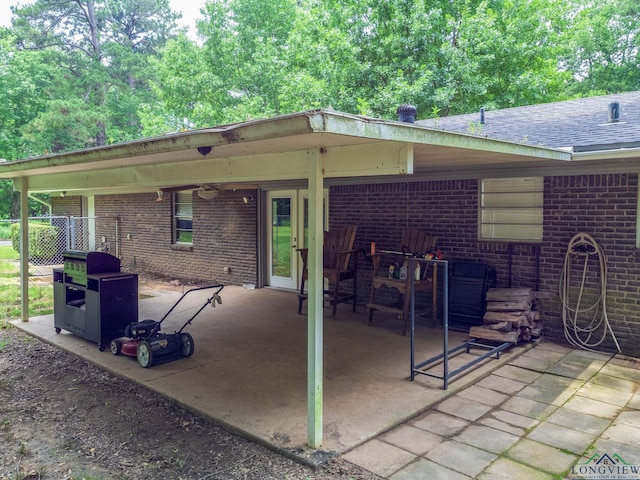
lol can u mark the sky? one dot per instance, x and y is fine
(190, 10)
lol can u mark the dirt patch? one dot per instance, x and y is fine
(63, 418)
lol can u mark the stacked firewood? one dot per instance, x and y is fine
(512, 315)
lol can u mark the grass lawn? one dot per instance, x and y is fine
(282, 251)
(40, 293)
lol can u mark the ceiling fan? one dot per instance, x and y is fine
(209, 191)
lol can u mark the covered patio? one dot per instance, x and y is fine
(249, 371)
(356, 377)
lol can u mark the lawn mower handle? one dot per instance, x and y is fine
(219, 287)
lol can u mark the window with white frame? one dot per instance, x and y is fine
(511, 209)
(183, 217)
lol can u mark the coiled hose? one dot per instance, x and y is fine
(583, 323)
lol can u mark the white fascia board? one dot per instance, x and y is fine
(388, 158)
(371, 159)
(143, 151)
(417, 134)
(615, 154)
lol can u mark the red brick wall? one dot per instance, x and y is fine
(68, 206)
(224, 235)
(604, 206)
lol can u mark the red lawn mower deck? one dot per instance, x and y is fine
(149, 345)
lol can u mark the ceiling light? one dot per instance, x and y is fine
(208, 194)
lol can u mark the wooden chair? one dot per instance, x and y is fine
(340, 263)
(413, 243)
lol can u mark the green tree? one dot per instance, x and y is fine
(449, 56)
(602, 46)
(26, 78)
(239, 70)
(102, 48)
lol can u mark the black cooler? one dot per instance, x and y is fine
(93, 298)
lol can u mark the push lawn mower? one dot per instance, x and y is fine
(146, 343)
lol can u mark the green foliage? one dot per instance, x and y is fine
(40, 300)
(5, 233)
(601, 46)
(363, 57)
(43, 239)
(79, 74)
(8, 253)
(94, 59)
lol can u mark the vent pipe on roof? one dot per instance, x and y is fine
(481, 115)
(614, 112)
(406, 113)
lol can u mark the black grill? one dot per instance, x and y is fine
(93, 298)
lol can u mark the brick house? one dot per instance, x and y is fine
(430, 175)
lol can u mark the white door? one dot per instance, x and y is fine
(282, 237)
(287, 229)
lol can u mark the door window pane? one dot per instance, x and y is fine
(281, 237)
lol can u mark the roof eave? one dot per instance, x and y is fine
(338, 128)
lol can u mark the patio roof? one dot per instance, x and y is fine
(316, 147)
(276, 149)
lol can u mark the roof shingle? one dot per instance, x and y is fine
(581, 124)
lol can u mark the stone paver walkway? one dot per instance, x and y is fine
(551, 413)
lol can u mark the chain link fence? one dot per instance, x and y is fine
(50, 237)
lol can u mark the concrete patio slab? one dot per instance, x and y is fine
(501, 384)
(483, 395)
(423, 469)
(248, 371)
(593, 407)
(504, 469)
(605, 394)
(487, 438)
(412, 439)
(623, 433)
(528, 408)
(508, 422)
(613, 382)
(579, 421)
(517, 373)
(531, 453)
(463, 408)
(561, 437)
(440, 423)
(462, 458)
(379, 457)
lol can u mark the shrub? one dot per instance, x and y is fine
(43, 239)
(5, 230)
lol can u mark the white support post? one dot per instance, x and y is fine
(315, 301)
(22, 184)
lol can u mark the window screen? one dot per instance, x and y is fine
(511, 209)
(183, 217)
